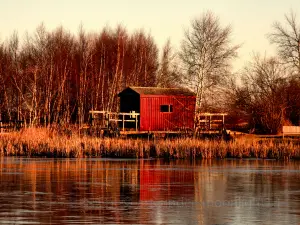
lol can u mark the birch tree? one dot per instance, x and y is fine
(206, 54)
(55, 77)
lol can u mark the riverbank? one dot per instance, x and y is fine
(41, 142)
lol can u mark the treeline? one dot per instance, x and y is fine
(265, 95)
(57, 77)
(269, 92)
(268, 98)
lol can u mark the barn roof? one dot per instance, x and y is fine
(160, 91)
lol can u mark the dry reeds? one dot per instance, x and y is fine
(41, 142)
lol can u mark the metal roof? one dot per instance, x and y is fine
(160, 91)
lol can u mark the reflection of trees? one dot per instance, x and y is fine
(59, 185)
(258, 186)
(210, 185)
(141, 191)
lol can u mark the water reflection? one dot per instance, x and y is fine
(99, 191)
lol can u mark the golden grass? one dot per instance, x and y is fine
(41, 142)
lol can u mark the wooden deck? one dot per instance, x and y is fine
(105, 119)
(128, 124)
(152, 132)
(210, 121)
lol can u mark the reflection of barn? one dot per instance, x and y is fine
(144, 109)
(157, 183)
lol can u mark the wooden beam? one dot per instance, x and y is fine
(97, 112)
(212, 114)
(223, 120)
(118, 120)
(123, 122)
(136, 123)
(114, 113)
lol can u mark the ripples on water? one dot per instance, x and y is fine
(103, 191)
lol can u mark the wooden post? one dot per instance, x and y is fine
(123, 122)
(210, 122)
(223, 120)
(136, 124)
(93, 123)
(0, 123)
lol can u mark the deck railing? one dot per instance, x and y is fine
(290, 131)
(210, 121)
(106, 118)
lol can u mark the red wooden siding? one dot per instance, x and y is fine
(153, 119)
(148, 101)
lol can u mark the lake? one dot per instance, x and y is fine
(120, 191)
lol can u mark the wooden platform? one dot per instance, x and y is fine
(106, 118)
(152, 132)
(210, 121)
(127, 123)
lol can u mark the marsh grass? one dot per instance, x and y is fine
(41, 142)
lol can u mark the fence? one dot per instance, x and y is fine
(290, 131)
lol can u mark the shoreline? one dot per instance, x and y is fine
(42, 142)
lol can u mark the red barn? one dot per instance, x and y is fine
(161, 109)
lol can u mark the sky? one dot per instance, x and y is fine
(251, 20)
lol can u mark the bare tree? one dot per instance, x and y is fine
(287, 38)
(167, 74)
(57, 77)
(206, 54)
(84, 58)
(263, 94)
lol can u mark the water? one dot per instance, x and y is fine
(104, 191)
